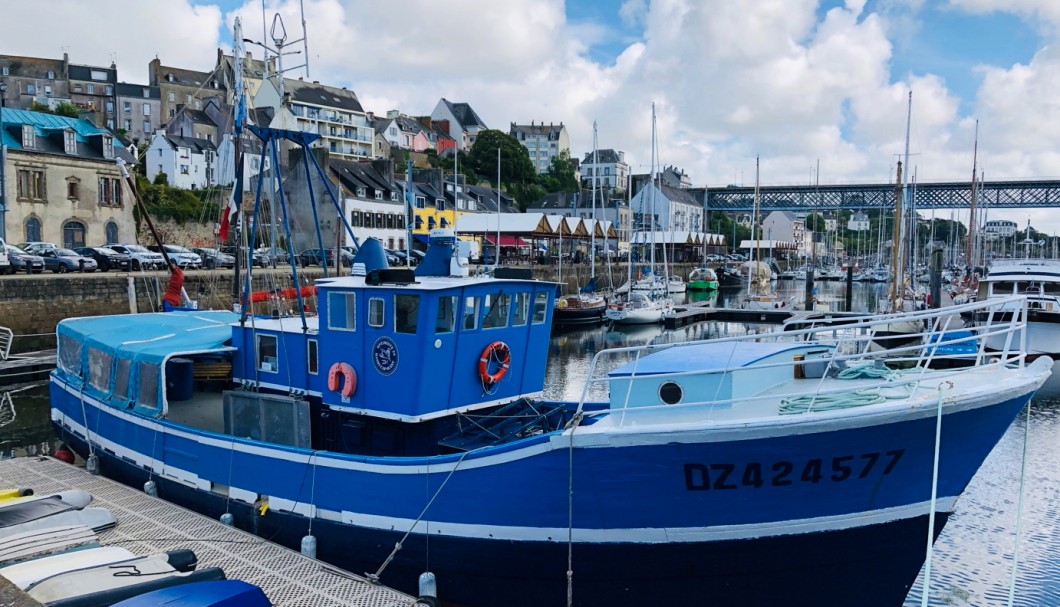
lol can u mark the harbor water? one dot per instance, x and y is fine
(972, 559)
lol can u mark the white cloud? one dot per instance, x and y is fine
(98, 32)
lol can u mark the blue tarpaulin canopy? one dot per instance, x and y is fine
(153, 337)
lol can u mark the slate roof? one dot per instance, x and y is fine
(536, 129)
(125, 89)
(321, 94)
(84, 72)
(185, 77)
(554, 201)
(679, 195)
(197, 116)
(607, 156)
(32, 67)
(464, 114)
(486, 200)
(196, 145)
(354, 174)
(47, 130)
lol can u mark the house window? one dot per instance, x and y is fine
(419, 223)
(29, 139)
(90, 89)
(99, 75)
(104, 191)
(111, 231)
(421, 202)
(77, 87)
(128, 125)
(73, 187)
(198, 104)
(73, 234)
(109, 90)
(147, 126)
(147, 109)
(171, 96)
(110, 107)
(355, 219)
(183, 169)
(51, 75)
(126, 107)
(31, 89)
(31, 185)
(147, 93)
(108, 145)
(110, 125)
(33, 230)
(47, 90)
(6, 71)
(378, 195)
(361, 192)
(69, 141)
(187, 99)
(172, 112)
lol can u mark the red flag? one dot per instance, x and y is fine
(228, 215)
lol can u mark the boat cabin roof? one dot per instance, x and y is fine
(153, 337)
(704, 357)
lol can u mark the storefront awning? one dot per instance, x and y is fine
(507, 241)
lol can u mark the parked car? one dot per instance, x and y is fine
(139, 257)
(396, 258)
(6, 265)
(106, 259)
(213, 258)
(21, 261)
(185, 258)
(37, 247)
(67, 260)
(261, 260)
(314, 257)
(275, 254)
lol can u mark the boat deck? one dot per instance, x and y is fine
(147, 524)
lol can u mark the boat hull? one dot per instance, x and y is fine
(702, 285)
(658, 519)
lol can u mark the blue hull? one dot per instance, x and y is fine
(868, 566)
(818, 517)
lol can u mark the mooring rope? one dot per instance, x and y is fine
(1019, 510)
(570, 508)
(934, 496)
(374, 577)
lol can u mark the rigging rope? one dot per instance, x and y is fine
(1019, 510)
(934, 495)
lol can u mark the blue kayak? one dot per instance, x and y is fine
(227, 593)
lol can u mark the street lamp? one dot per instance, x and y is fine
(3, 165)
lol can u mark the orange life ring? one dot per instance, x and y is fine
(500, 352)
(349, 376)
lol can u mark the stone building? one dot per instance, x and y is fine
(62, 183)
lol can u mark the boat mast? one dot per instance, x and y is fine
(896, 249)
(592, 241)
(969, 247)
(905, 250)
(238, 55)
(651, 181)
(754, 236)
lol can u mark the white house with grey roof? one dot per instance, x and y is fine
(784, 226)
(608, 167)
(674, 209)
(464, 124)
(333, 113)
(188, 162)
(543, 142)
(858, 222)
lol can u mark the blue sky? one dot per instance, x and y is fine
(790, 81)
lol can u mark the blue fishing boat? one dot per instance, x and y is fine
(401, 429)
(226, 593)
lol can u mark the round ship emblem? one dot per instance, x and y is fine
(385, 355)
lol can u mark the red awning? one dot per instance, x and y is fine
(507, 241)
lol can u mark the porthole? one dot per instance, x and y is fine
(671, 393)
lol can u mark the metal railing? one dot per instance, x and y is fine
(891, 354)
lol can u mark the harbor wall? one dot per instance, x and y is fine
(32, 305)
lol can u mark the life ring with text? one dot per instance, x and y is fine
(497, 351)
(349, 379)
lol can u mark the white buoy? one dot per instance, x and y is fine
(309, 546)
(150, 488)
(92, 464)
(228, 519)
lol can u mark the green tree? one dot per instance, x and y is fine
(67, 109)
(560, 175)
(37, 106)
(515, 163)
(814, 223)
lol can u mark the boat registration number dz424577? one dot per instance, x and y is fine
(704, 477)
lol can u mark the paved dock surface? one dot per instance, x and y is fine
(147, 524)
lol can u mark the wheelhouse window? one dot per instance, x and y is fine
(121, 379)
(70, 355)
(470, 313)
(311, 357)
(497, 307)
(406, 313)
(148, 393)
(522, 309)
(99, 369)
(540, 307)
(446, 321)
(267, 354)
(375, 312)
(342, 311)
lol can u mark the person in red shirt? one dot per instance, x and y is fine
(174, 297)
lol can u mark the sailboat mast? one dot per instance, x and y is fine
(969, 247)
(592, 241)
(906, 251)
(896, 250)
(651, 192)
(240, 103)
(754, 229)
